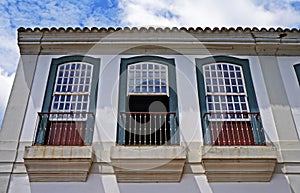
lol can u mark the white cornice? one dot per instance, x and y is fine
(246, 42)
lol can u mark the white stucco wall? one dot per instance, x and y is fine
(291, 84)
(262, 98)
(107, 184)
(36, 97)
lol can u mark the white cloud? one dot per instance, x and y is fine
(9, 53)
(9, 56)
(212, 13)
(147, 13)
(41, 13)
(5, 87)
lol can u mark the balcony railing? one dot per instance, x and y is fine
(228, 128)
(64, 128)
(147, 128)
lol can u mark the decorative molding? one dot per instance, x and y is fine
(58, 163)
(185, 41)
(239, 163)
(148, 163)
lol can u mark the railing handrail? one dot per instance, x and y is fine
(147, 128)
(231, 113)
(166, 113)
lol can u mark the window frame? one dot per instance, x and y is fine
(76, 95)
(53, 74)
(173, 102)
(40, 135)
(244, 63)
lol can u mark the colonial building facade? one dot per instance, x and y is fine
(153, 109)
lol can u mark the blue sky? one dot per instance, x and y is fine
(121, 13)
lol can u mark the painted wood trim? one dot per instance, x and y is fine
(173, 101)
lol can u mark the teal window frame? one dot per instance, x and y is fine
(244, 63)
(173, 101)
(297, 71)
(51, 84)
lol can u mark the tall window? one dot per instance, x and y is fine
(72, 87)
(67, 116)
(147, 101)
(229, 111)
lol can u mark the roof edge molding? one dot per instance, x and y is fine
(187, 41)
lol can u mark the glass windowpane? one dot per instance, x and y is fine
(157, 89)
(151, 76)
(234, 89)
(84, 106)
(61, 106)
(151, 89)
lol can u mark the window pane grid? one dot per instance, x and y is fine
(72, 87)
(223, 78)
(225, 91)
(147, 78)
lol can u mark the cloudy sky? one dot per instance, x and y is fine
(121, 13)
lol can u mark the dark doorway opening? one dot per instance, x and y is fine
(147, 120)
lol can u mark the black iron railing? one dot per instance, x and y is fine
(147, 128)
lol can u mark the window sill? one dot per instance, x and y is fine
(148, 163)
(58, 163)
(239, 163)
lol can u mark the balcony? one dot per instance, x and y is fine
(235, 148)
(233, 129)
(65, 128)
(62, 148)
(147, 128)
(148, 148)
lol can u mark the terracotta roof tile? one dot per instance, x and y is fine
(159, 29)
